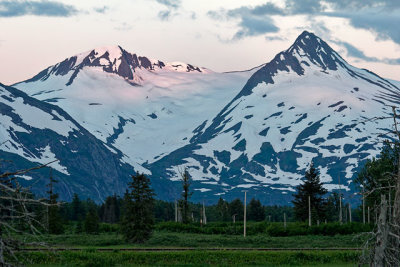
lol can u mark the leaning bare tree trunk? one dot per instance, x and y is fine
(381, 235)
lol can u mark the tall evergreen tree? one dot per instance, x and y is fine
(223, 210)
(333, 207)
(78, 210)
(236, 208)
(54, 222)
(110, 211)
(91, 224)
(186, 194)
(138, 221)
(256, 211)
(311, 187)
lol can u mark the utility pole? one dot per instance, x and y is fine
(176, 211)
(204, 214)
(349, 213)
(340, 202)
(244, 225)
(309, 211)
(284, 220)
(363, 203)
(368, 216)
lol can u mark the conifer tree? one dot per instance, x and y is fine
(78, 211)
(223, 210)
(311, 187)
(110, 211)
(256, 211)
(91, 223)
(186, 194)
(138, 220)
(236, 209)
(54, 221)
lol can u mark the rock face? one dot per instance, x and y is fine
(307, 104)
(256, 130)
(112, 59)
(34, 132)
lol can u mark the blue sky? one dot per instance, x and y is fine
(221, 35)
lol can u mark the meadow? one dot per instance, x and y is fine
(213, 245)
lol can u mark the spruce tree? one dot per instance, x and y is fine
(138, 221)
(54, 221)
(256, 211)
(186, 194)
(236, 208)
(311, 187)
(223, 210)
(110, 211)
(78, 211)
(91, 224)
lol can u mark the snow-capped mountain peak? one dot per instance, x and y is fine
(316, 51)
(115, 60)
(306, 104)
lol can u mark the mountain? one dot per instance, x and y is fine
(307, 104)
(33, 132)
(147, 113)
(254, 130)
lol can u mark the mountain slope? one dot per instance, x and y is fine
(146, 114)
(33, 132)
(306, 104)
(256, 130)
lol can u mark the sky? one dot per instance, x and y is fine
(222, 35)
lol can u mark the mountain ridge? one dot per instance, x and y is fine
(256, 130)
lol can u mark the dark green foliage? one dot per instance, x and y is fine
(54, 221)
(312, 187)
(236, 208)
(138, 221)
(332, 207)
(79, 227)
(223, 210)
(196, 258)
(78, 210)
(164, 211)
(110, 209)
(91, 224)
(329, 229)
(276, 213)
(186, 194)
(378, 173)
(269, 229)
(256, 211)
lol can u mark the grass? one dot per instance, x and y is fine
(89, 256)
(195, 258)
(166, 239)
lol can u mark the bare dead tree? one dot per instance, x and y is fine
(19, 225)
(383, 246)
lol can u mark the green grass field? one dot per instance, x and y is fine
(195, 258)
(89, 256)
(166, 239)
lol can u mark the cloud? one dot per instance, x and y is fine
(275, 38)
(378, 16)
(253, 26)
(165, 15)
(354, 52)
(173, 4)
(36, 8)
(101, 10)
(252, 21)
